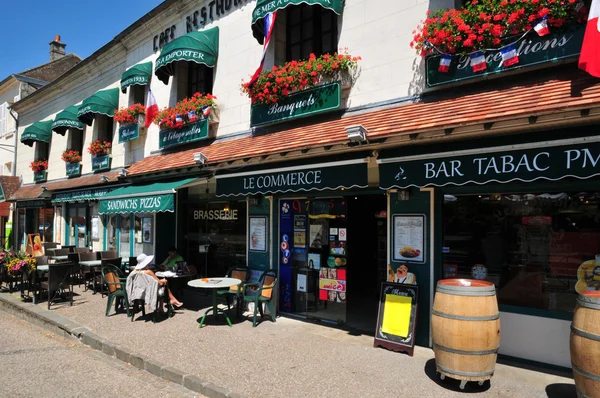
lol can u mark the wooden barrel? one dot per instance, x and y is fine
(465, 325)
(585, 344)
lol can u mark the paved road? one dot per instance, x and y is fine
(37, 363)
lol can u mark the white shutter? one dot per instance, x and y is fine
(17, 98)
(3, 112)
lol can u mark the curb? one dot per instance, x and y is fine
(66, 328)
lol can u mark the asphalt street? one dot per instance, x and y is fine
(37, 363)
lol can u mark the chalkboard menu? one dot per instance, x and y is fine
(396, 321)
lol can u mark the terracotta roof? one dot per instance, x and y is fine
(9, 185)
(34, 191)
(565, 89)
(53, 69)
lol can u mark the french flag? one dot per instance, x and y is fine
(206, 111)
(269, 24)
(178, 121)
(589, 59)
(542, 28)
(478, 62)
(445, 61)
(151, 108)
(192, 117)
(509, 55)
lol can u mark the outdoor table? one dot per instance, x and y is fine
(93, 264)
(174, 279)
(214, 284)
(59, 258)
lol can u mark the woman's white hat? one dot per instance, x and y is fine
(143, 260)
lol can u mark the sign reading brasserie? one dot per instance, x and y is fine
(101, 162)
(532, 51)
(139, 204)
(549, 163)
(129, 132)
(303, 103)
(188, 133)
(332, 177)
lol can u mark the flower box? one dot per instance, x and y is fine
(40, 176)
(73, 169)
(101, 162)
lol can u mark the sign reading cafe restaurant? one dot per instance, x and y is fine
(548, 163)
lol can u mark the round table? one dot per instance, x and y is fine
(214, 284)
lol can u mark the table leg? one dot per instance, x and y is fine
(94, 279)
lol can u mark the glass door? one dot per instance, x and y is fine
(124, 239)
(77, 216)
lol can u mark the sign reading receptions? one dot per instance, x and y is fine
(139, 204)
(303, 103)
(308, 179)
(548, 163)
(129, 132)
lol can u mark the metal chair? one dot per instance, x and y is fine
(61, 252)
(81, 250)
(106, 254)
(89, 271)
(59, 280)
(115, 262)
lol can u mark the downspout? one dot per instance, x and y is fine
(13, 167)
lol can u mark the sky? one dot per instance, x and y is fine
(84, 25)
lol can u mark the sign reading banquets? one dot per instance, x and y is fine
(300, 104)
(548, 163)
(189, 133)
(129, 132)
(533, 50)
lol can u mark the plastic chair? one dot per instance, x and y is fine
(59, 279)
(264, 294)
(115, 282)
(115, 262)
(235, 292)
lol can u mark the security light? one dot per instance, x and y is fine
(200, 158)
(356, 133)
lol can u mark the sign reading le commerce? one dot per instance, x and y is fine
(353, 175)
(546, 162)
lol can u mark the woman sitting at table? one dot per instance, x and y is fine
(144, 266)
(172, 259)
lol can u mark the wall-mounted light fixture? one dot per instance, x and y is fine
(200, 158)
(356, 133)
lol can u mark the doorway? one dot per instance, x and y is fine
(78, 227)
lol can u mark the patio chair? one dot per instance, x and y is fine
(115, 282)
(139, 282)
(264, 294)
(61, 252)
(86, 272)
(59, 281)
(115, 262)
(235, 292)
(49, 245)
(81, 250)
(106, 254)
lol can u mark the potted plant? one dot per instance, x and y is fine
(39, 167)
(281, 81)
(100, 150)
(189, 110)
(131, 115)
(17, 262)
(72, 158)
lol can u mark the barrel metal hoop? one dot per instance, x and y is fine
(584, 373)
(580, 394)
(461, 352)
(465, 374)
(586, 335)
(467, 291)
(465, 318)
(587, 302)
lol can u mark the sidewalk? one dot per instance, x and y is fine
(288, 358)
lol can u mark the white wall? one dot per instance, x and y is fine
(7, 95)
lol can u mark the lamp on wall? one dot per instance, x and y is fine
(200, 158)
(123, 172)
(44, 188)
(105, 178)
(356, 133)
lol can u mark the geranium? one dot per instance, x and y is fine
(71, 156)
(130, 115)
(188, 110)
(17, 263)
(293, 76)
(39, 165)
(490, 24)
(99, 147)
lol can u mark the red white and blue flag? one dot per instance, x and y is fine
(478, 62)
(589, 59)
(542, 28)
(269, 24)
(445, 61)
(509, 55)
(206, 111)
(151, 108)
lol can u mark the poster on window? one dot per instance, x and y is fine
(147, 229)
(409, 238)
(258, 234)
(95, 228)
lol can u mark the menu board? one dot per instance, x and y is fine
(396, 320)
(258, 234)
(409, 237)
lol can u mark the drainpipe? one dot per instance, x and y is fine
(13, 172)
(13, 168)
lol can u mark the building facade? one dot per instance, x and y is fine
(378, 161)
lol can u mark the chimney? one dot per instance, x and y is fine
(57, 49)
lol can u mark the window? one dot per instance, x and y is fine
(200, 79)
(41, 150)
(3, 119)
(76, 140)
(137, 94)
(105, 127)
(310, 29)
(539, 249)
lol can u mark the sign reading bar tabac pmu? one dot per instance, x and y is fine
(300, 104)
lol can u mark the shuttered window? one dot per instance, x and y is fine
(3, 117)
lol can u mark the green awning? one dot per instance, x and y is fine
(151, 198)
(67, 119)
(264, 7)
(200, 47)
(81, 195)
(104, 102)
(38, 131)
(137, 74)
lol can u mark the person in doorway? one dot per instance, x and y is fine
(172, 259)
(144, 266)
(403, 276)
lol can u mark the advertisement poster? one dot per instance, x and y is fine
(299, 239)
(409, 238)
(299, 223)
(316, 236)
(34, 245)
(147, 230)
(314, 261)
(301, 283)
(258, 234)
(95, 228)
(285, 218)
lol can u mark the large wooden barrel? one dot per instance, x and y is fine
(585, 344)
(465, 325)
